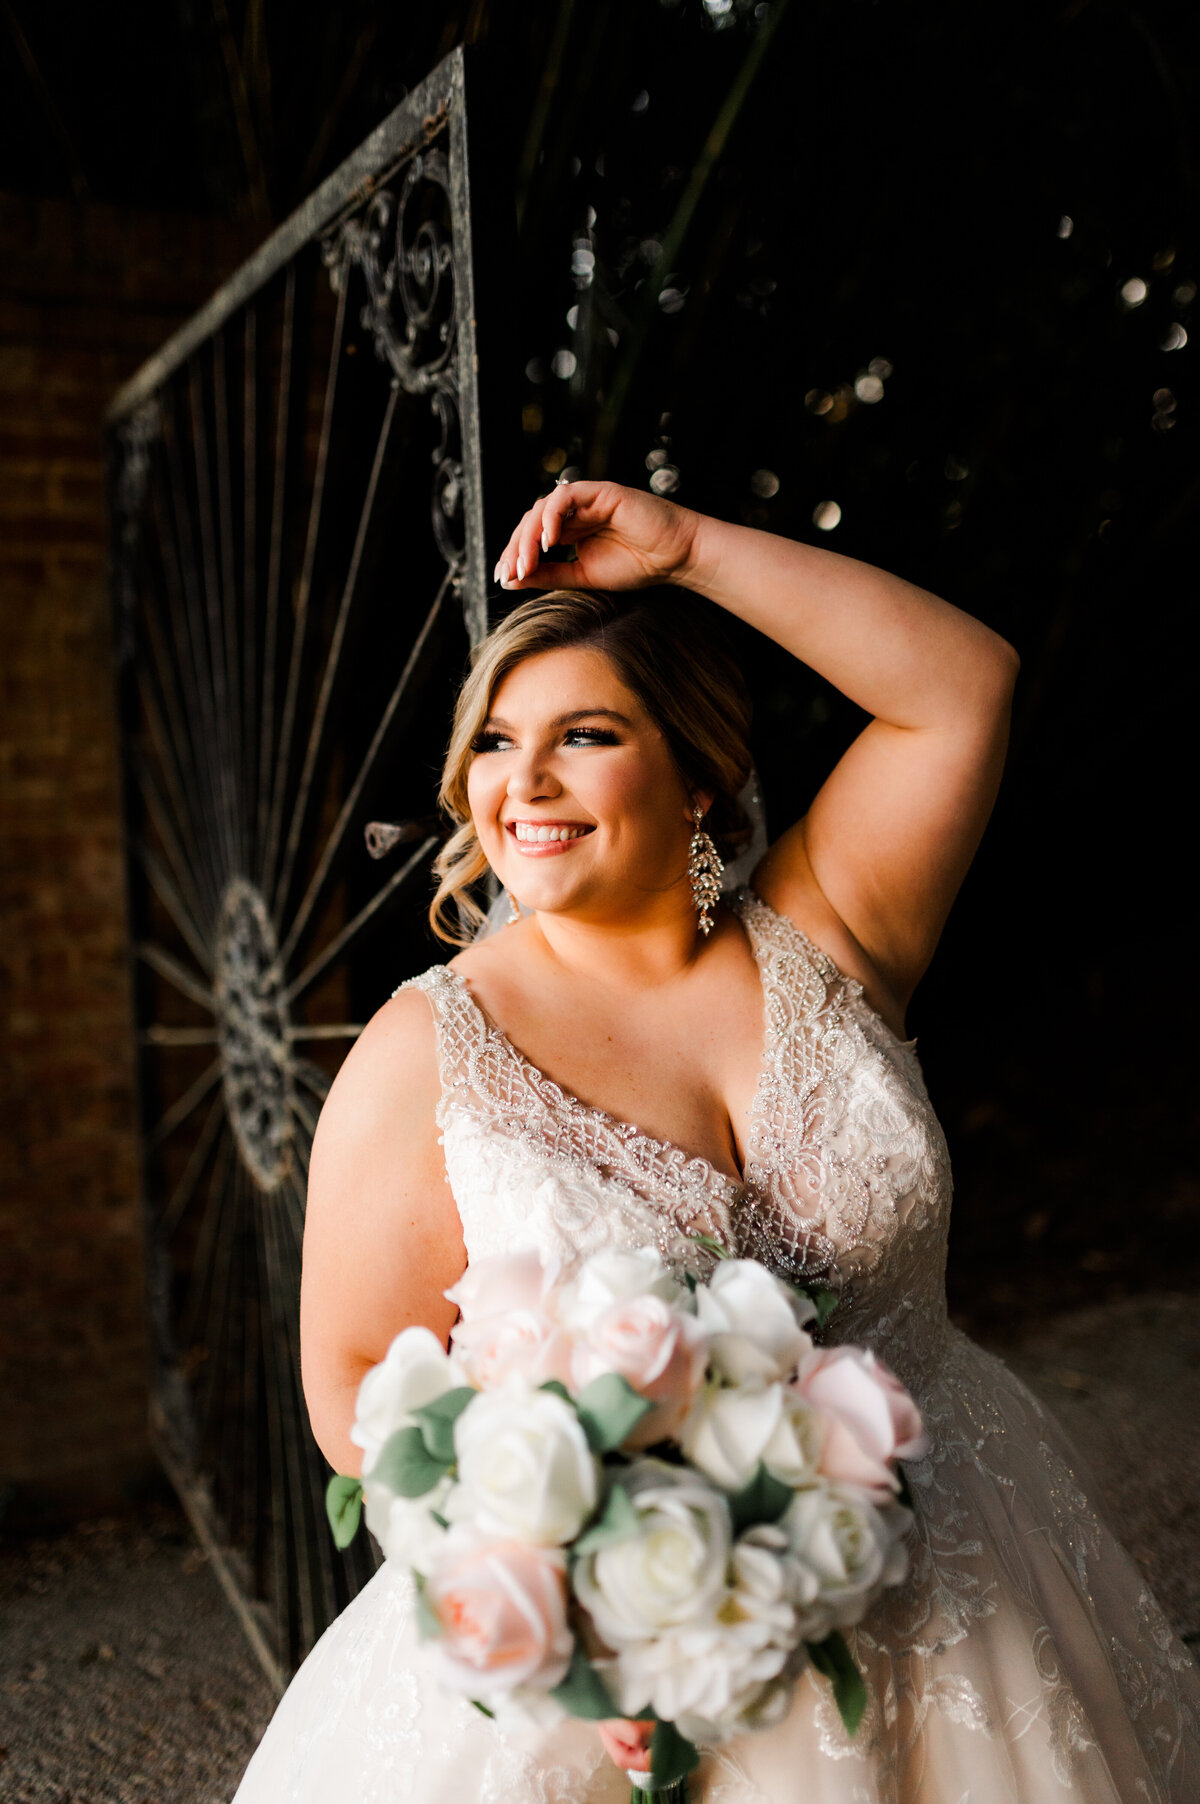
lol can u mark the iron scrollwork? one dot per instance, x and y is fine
(402, 242)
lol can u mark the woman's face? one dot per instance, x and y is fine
(574, 795)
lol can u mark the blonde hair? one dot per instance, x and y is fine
(667, 652)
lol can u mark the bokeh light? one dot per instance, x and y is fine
(826, 515)
(1133, 292)
(764, 483)
(665, 480)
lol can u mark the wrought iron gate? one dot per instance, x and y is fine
(298, 563)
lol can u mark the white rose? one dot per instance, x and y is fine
(524, 1466)
(671, 1572)
(415, 1370)
(755, 1321)
(850, 1547)
(728, 1674)
(403, 1526)
(615, 1276)
(730, 1429)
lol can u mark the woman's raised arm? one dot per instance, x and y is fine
(382, 1238)
(888, 839)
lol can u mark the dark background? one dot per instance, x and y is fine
(934, 264)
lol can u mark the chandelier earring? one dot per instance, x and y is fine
(704, 872)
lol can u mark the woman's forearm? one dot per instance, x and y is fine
(903, 655)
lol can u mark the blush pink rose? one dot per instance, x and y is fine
(870, 1421)
(660, 1352)
(525, 1343)
(509, 1281)
(502, 1608)
(506, 1329)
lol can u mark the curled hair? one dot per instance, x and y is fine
(668, 652)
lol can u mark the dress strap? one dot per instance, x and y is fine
(461, 1027)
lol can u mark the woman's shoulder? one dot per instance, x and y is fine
(389, 1080)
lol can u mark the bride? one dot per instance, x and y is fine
(758, 1043)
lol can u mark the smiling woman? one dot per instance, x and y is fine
(605, 1074)
(579, 676)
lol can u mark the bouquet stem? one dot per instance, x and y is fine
(671, 1794)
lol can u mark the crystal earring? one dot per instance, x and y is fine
(704, 871)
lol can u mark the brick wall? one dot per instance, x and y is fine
(85, 295)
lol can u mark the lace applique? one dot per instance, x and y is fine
(844, 1152)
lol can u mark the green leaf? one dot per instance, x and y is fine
(428, 1626)
(833, 1658)
(343, 1506)
(436, 1421)
(764, 1499)
(617, 1521)
(483, 1709)
(406, 1466)
(583, 1692)
(826, 1302)
(556, 1388)
(609, 1409)
(710, 1245)
(672, 1757)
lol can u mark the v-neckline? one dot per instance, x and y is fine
(736, 1188)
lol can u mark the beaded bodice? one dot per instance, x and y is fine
(847, 1176)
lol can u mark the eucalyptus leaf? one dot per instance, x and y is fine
(428, 1626)
(406, 1466)
(343, 1506)
(825, 1300)
(711, 1246)
(556, 1388)
(436, 1421)
(617, 1521)
(764, 1499)
(834, 1660)
(583, 1692)
(609, 1409)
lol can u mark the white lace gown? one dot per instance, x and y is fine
(1024, 1660)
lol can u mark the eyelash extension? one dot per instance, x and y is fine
(488, 741)
(597, 735)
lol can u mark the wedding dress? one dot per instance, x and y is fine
(1024, 1660)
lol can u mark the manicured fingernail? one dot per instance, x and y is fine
(545, 541)
(520, 569)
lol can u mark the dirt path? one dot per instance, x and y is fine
(124, 1678)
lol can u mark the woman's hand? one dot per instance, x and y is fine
(627, 1744)
(623, 539)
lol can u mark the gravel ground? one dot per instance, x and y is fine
(124, 1677)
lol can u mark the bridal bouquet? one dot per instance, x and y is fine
(625, 1496)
